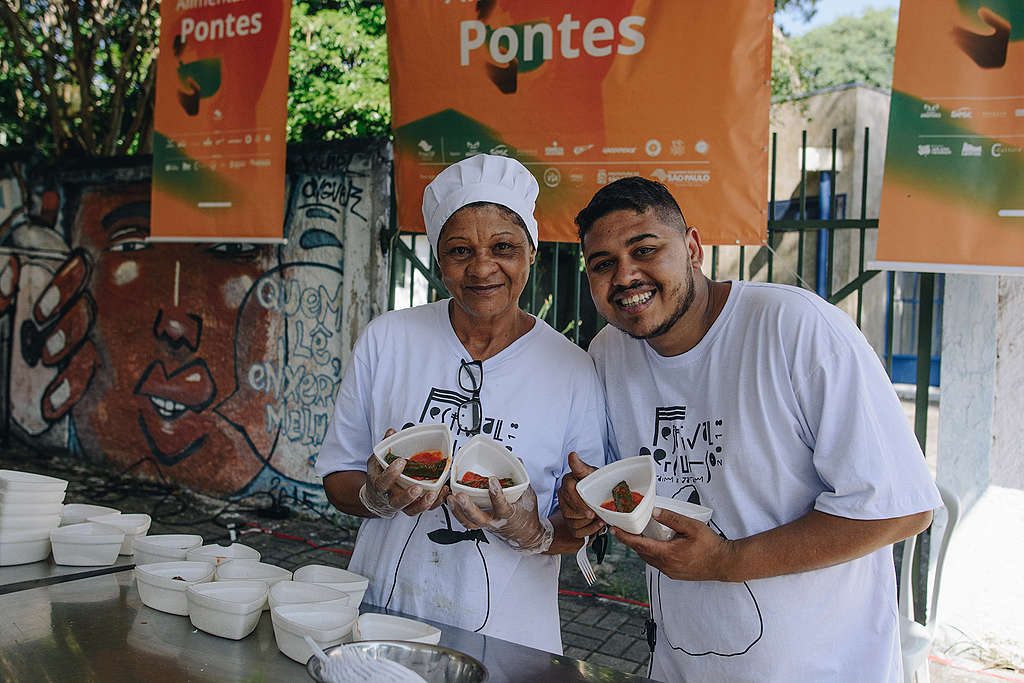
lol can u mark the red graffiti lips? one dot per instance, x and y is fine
(190, 387)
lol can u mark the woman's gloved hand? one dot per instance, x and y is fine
(518, 523)
(383, 497)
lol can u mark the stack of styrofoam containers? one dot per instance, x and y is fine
(30, 508)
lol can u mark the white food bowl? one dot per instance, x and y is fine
(164, 547)
(30, 497)
(76, 513)
(659, 531)
(23, 547)
(486, 457)
(413, 440)
(160, 588)
(339, 579)
(326, 624)
(216, 554)
(12, 480)
(29, 522)
(229, 609)
(252, 570)
(302, 593)
(133, 526)
(29, 508)
(86, 545)
(638, 472)
(371, 626)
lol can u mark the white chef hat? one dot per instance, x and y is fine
(480, 178)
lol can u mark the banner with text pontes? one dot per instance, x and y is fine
(584, 93)
(953, 197)
(219, 124)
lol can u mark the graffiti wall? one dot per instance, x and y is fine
(214, 365)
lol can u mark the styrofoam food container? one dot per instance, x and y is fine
(76, 513)
(371, 626)
(86, 545)
(29, 522)
(339, 579)
(638, 472)
(303, 593)
(486, 457)
(160, 590)
(252, 570)
(23, 547)
(326, 624)
(30, 508)
(164, 547)
(412, 440)
(31, 497)
(229, 609)
(12, 480)
(216, 554)
(659, 531)
(133, 526)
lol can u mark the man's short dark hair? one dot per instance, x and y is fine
(634, 194)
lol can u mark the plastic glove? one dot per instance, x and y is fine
(518, 523)
(382, 495)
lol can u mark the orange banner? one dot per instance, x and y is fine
(584, 93)
(953, 197)
(221, 108)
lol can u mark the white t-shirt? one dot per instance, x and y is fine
(781, 408)
(540, 398)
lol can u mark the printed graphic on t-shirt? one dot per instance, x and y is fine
(437, 537)
(685, 453)
(703, 618)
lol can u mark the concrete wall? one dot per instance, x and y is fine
(212, 365)
(1008, 429)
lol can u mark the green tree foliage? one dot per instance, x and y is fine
(338, 71)
(852, 49)
(77, 76)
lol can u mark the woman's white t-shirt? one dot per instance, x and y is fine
(541, 399)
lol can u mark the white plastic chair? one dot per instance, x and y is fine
(916, 639)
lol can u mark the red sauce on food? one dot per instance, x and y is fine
(610, 504)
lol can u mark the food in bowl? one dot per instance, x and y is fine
(425, 465)
(479, 481)
(623, 499)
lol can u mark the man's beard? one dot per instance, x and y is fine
(680, 311)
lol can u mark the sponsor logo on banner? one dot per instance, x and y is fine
(993, 114)
(931, 111)
(682, 177)
(653, 148)
(619, 175)
(472, 147)
(576, 177)
(554, 150)
(678, 148)
(602, 177)
(999, 149)
(701, 147)
(1018, 112)
(426, 150)
(499, 150)
(552, 177)
(969, 150)
(962, 113)
(618, 150)
(934, 150)
(580, 149)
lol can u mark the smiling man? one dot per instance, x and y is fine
(766, 404)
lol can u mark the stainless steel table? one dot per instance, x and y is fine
(97, 629)
(23, 576)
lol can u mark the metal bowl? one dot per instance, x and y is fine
(434, 663)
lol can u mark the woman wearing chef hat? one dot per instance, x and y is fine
(480, 364)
